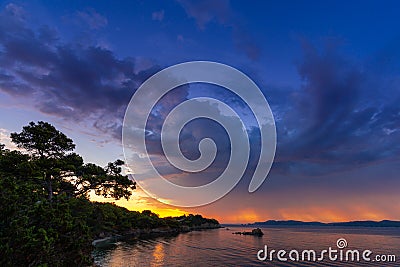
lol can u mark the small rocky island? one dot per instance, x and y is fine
(255, 232)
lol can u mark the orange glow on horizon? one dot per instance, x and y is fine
(139, 201)
(247, 215)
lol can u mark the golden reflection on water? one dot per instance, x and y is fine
(158, 255)
(220, 247)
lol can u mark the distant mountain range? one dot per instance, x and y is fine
(384, 223)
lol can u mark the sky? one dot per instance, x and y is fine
(330, 71)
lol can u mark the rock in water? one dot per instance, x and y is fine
(257, 232)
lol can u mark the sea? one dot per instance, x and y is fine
(295, 246)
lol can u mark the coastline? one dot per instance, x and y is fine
(109, 239)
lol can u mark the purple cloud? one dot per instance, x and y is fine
(328, 124)
(331, 124)
(74, 82)
(205, 12)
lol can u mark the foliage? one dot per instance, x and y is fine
(39, 233)
(43, 140)
(46, 218)
(59, 171)
(45, 212)
(195, 220)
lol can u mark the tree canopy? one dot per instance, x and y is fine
(58, 170)
(43, 140)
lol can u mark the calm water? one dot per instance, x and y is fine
(220, 247)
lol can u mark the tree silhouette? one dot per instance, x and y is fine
(60, 171)
(43, 140)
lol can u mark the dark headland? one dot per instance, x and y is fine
(383, 223)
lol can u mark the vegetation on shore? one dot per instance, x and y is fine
(46, 217)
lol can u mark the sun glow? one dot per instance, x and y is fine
(139, 201)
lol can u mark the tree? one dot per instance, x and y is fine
(46, 218)
(43, 140)
(106, 182)
(60, 171)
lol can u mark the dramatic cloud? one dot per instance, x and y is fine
(336, 109)
(74, 82)
(326, 125)
(329, 123)
(205, 12)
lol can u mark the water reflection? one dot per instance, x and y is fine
(220, 247)
(158, 255)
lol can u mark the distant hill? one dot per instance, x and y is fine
(384, 223)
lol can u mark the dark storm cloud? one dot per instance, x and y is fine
(74, 82)
(340, 118)
(345, 113)
(207, 11)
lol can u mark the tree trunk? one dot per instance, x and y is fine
(49, 187)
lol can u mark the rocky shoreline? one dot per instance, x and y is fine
(109, 239)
